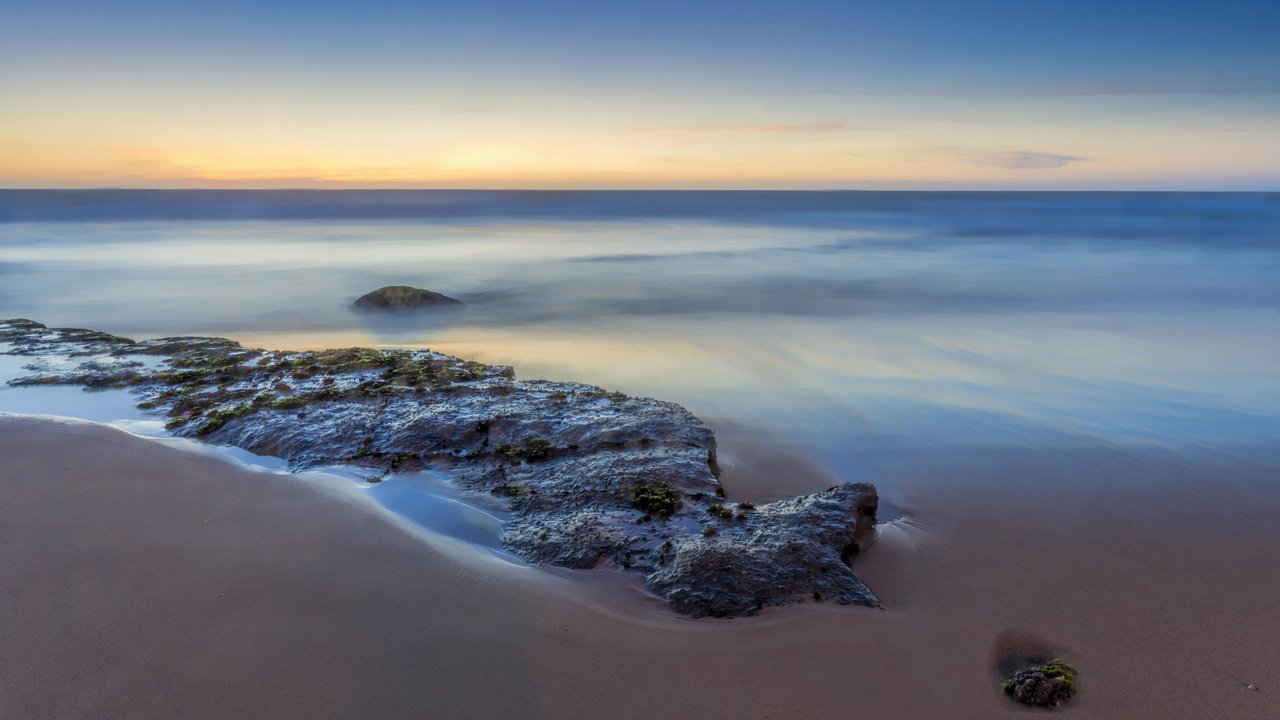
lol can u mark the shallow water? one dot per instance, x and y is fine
(427, 500)
(827, 336)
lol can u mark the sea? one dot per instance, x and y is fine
(826, 336)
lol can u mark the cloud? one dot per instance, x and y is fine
(1014, 159)
(480, 110)
(765, 128)
(1235, 129)
(1229, 86)
(1221, 86)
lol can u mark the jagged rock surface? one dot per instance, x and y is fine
(781, 552)
(1049, 685)
(589, 475)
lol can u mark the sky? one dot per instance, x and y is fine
(803, 94)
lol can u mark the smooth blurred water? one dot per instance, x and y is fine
(841, 330)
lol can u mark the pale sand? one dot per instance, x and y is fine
(146, 581)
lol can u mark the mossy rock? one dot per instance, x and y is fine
(507, 452)
(1048, 685)
(537, 448)
(720, 511)
(218, 418)
(656, 498)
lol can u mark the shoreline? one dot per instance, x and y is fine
(1163, 600)
(588, 475)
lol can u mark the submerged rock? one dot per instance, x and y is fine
(402, 297)
(590, 476)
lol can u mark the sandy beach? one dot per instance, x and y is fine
(149, 581)
(762, 360)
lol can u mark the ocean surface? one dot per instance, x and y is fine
(826, 335)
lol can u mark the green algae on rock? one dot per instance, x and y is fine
(656, 498)
(1048, 685)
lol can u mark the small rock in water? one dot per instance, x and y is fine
(402, 297)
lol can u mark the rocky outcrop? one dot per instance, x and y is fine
(774, 554)
(403, 297)
(591, 476)
(1048, 685)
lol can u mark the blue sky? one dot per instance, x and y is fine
(696, 94)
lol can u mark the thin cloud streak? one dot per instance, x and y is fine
(766, 128)
(1014, 159)
(1083, 88)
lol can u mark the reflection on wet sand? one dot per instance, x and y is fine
(1160, 592)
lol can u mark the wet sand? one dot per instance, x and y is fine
(146, 581)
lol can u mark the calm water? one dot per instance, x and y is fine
(826, 335)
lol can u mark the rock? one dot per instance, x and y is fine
(781, 552)
(32, 338)
(590, 476)
(1049, 685)
(403, 297)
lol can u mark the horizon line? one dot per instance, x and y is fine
(107, 188)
